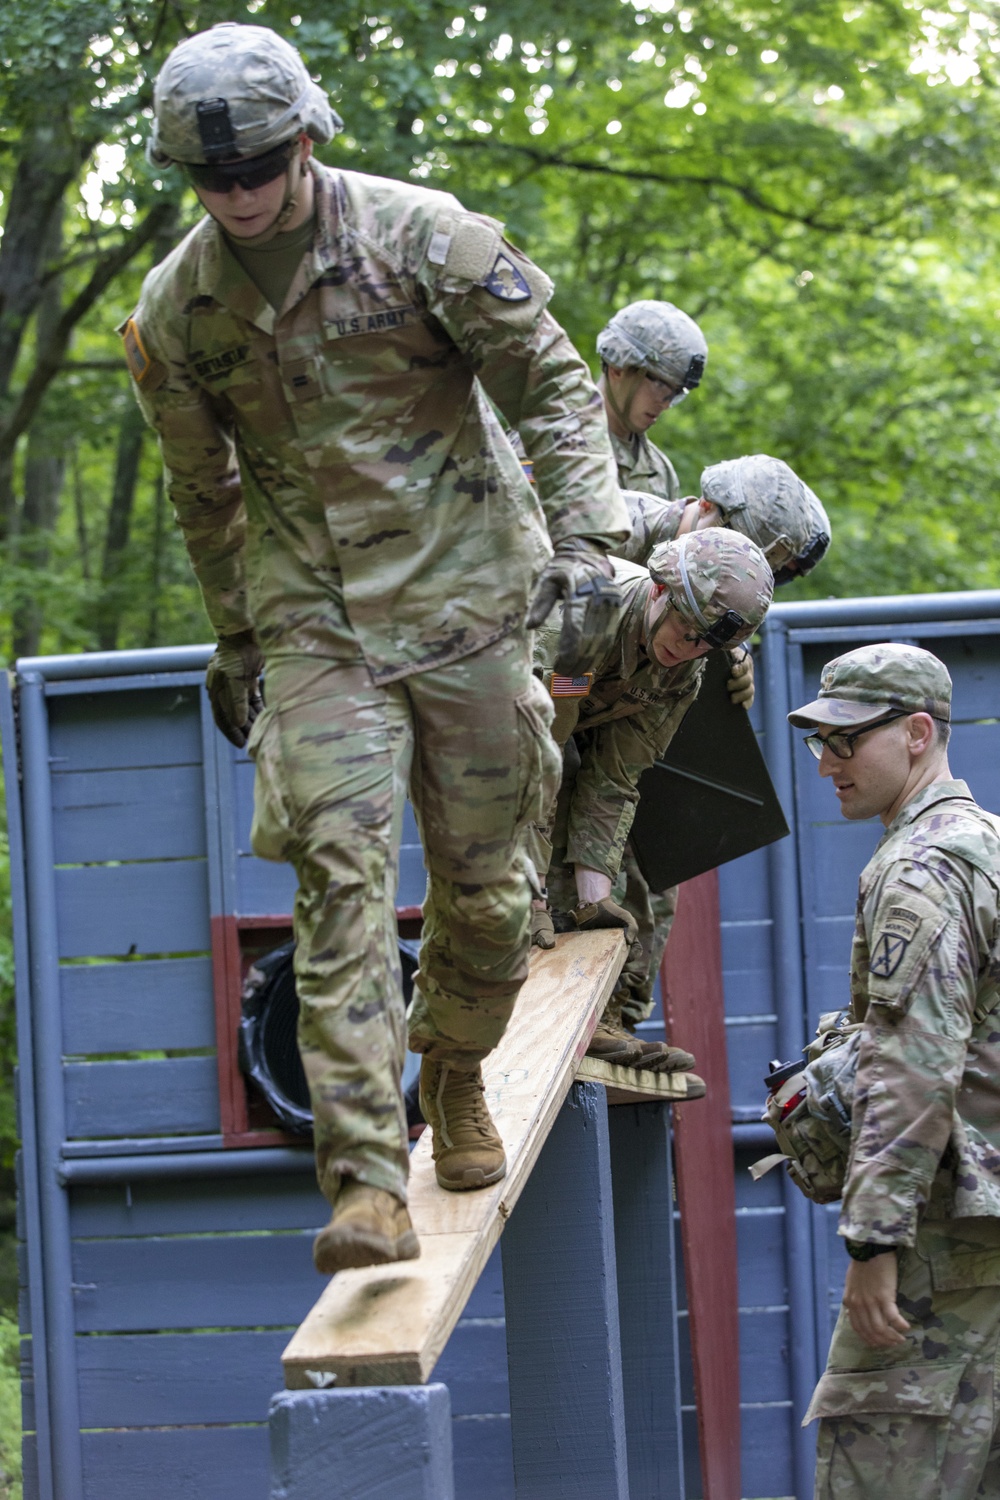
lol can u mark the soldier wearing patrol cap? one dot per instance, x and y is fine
(764, 499)
(707, 590)
(652, 356)
(908, 1403)
(316, 357)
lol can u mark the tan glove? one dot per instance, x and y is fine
(740, 684)
(606, 913)
(543, 934)
(233, 684)
(582, 577)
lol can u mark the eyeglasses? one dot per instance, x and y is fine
(666, 394)
(254, 172)
(841, 742)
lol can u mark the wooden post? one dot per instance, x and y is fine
(362, 1443)
(691, 980)
(561, 1298)
(647, 1297)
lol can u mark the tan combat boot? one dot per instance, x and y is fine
(468, 1151)
(613, 1042)
(368, 1227)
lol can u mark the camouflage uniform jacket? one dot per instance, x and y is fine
(924, 973)
(625, 723)
(653, 521)
(341, 456)
(643, 466)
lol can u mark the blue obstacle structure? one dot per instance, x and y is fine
(165, 1237)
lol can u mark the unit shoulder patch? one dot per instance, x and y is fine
(506, 282)
(887, 955)
(147, 372)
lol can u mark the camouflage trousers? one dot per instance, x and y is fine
(335, 756)
(922, 1420)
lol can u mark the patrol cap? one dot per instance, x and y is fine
(656, 337)
(717, 580)
(862, 685)
(765, 499)
(231, 93)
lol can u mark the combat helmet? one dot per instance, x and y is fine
(659, 339)
(232, 93)
(764, 499)
(717, 580)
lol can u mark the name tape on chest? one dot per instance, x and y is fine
(380, 320)
(214, 366)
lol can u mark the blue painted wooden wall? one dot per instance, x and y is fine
(185, 1291)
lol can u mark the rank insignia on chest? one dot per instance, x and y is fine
(888, 955)
(570, 687)
(506, 282)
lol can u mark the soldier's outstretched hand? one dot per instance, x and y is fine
(870, 1301)
(741, 684)
(580, 574)
(233, 684)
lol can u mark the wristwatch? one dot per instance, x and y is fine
(866, 1249)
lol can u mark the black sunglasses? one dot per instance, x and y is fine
(254, 172)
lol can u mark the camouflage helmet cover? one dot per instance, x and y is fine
(862, 685)
(658, 338)
(257, 82)
(711, 574)
(764, 499)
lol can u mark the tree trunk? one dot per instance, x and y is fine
(156, 562)
(43, 478)
(109, 613)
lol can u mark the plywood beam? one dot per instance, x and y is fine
(387, 1325)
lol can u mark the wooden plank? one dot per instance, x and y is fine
(167, 1380)
(388, 1324)
(169, 1096)
(128, 814)
(116, 910)
(226, 1281)
(104, 732)
(147, 1006)
(693, 1000)
(223, 1205)
(564, 1353)
(630, 1085)
(182, 1463)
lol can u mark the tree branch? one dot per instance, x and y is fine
(50, 355)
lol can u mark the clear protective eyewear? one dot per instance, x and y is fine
(841, 742)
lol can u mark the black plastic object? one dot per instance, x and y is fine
(710, 799)
(268, 1052)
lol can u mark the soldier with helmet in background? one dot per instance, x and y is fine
(316, 357)
(706, 590)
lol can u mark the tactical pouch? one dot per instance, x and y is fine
(810, 1113)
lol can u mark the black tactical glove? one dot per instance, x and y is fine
(606, 913)
(581, 575)
(233, 685)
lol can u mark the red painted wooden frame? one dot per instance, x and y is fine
(236, 941)
(693, 1005)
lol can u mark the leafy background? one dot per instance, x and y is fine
(815, 182)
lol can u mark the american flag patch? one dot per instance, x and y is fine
(571, 687)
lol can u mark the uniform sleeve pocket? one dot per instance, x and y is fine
(907, 934)
(920, 1390)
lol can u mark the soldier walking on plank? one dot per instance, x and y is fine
(315, 357)
(908, 1405)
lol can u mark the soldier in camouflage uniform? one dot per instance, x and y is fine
(315, 357)
(652, 355)
(764, 499)
(908, 1403)
(706, 590)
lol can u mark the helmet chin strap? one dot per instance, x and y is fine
(293, 181)
(631, 384)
